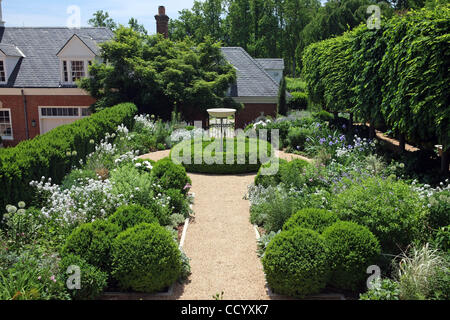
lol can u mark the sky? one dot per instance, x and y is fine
(49, 13)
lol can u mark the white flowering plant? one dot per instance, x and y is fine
(68, 208)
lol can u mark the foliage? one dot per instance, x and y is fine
(131, 215)
(326, 69)
(264, 241)
(297, 137)
(137, 186)
(417, 270)
(439, 208)
(352, 248)
(171, 176)
(22, 226)
(272, 179)
(415, 69)
(274, 211)
(222, 158)
(30, 275)
(385, 289)
(299, 101)
(145, 258)
(92, 281)
(77, 178)
(282, 103)
(296, 263)
(390, 209)
(47, 154)
(314, 219)
(92, 242)
(178, 203)
(158, 74)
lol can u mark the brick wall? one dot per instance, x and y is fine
(15, 103)
(253, 111)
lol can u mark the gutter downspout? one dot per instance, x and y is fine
(25, 111)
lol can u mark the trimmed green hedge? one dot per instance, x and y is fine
(396, 75)
(224, 168)
(299, 101)
(46, 155)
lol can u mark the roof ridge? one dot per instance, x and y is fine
(260, 67)
(54, 27)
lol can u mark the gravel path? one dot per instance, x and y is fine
(220, 240)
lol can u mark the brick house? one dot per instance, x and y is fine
(39, 67)
(38, 70)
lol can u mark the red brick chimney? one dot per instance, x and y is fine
(162, 22)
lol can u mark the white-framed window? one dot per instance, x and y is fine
(64, 112)
(2, 72)
(6, 130)
(74, 69)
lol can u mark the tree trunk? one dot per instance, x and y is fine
(402, 142)
(372, 131)
(445, 162)
(350, 121)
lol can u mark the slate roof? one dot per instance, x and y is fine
(272, 64)
(40, 68)
(10, 50)
(252, 79)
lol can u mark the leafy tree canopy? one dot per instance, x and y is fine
(158, 74)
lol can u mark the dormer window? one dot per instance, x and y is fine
(76, 56)
(74, 70)
(2, 72)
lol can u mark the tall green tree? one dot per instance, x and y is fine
(102, 19)
(282, 103)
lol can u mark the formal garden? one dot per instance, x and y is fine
(111, 214)
(345, 213)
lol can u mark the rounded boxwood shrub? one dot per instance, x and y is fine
(170, 175)
(352, 248)
(93, 280)
(146, 258)
(314, 219)
(92, 242)
(131, 215)
(296, 263)
(391, 209)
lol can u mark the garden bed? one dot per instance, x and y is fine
(348, 202)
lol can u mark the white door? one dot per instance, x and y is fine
(52, 117)
(48, 124)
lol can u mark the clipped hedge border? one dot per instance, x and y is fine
(46, 155)
(224, 168)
